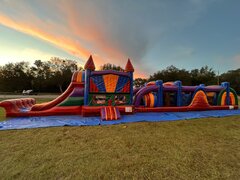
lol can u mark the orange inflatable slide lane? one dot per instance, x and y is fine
(110, 113)
(199, 101)
(61, 98)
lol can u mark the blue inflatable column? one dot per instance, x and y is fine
(159, 83)
(86, 86)
(129, 68)
(89, 67)
(226, 85)
(179, 92)
(131, 87)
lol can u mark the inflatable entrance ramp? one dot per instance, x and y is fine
(110, 113)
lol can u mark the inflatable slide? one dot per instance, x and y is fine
(68, 103)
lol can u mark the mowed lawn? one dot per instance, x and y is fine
(188, 149)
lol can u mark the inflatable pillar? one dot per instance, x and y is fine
(159, 83)
(179, 92)
(89, 67)
(226, 85)
(129, 68)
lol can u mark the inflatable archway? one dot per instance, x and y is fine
(222, 97)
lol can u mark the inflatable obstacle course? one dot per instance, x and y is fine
(110, 94)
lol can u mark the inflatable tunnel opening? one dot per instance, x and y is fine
(186, 98)
(170, 99)
(150, 100)
(212, 98)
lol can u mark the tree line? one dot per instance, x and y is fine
(55, 75)
(42, 76)
(204, 75)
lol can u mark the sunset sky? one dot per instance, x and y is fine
(153, 34)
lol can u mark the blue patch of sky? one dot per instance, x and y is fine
(13, 39)
(214, 40)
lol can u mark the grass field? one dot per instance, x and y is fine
(193, 149)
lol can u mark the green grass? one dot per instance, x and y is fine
(2, 114)
(193, 149)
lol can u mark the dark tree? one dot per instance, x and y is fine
(15, 77)
(205, 76)
(139, 82)
(172, 73)
(233, 77)
(42, 76)
(109, 66)
(62, 71)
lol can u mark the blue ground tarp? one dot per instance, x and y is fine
(53, 121)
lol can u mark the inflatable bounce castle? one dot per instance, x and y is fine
(110, 94)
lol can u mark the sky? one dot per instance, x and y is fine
(154, 34)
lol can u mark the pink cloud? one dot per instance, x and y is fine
(80, 34)
(237, 59)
